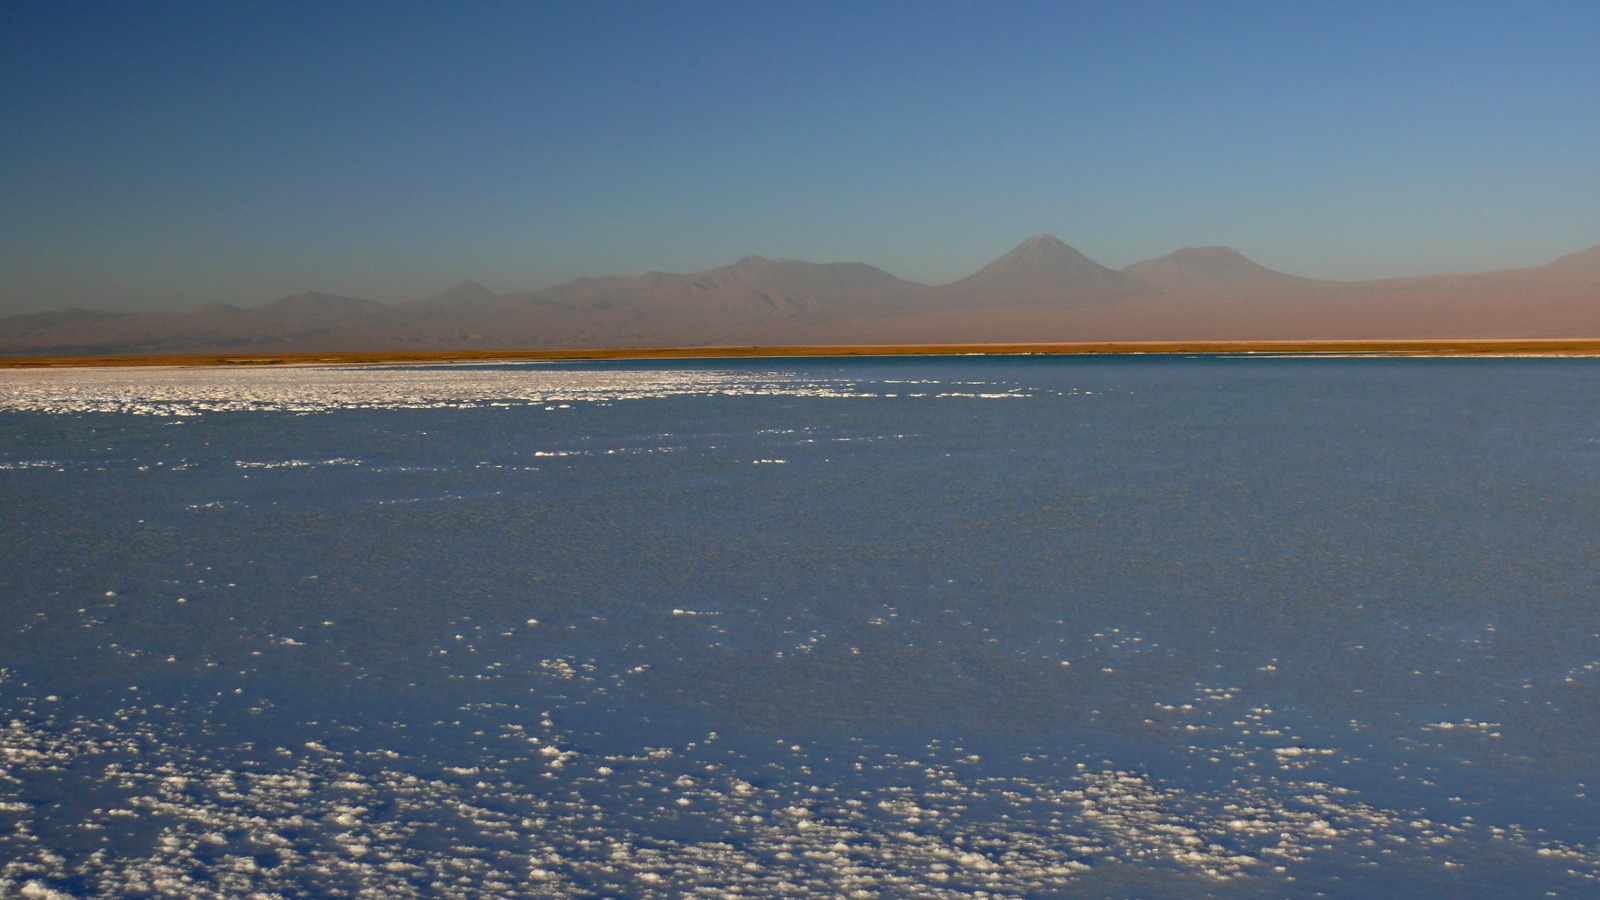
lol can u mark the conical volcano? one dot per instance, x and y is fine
(1040, 269)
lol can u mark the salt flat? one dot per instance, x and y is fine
(874, 627)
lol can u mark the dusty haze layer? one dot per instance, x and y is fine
(1041, 291)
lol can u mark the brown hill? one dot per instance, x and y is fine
(466, 297)
(314, 310)
(726, 304)
(752, 286)
(1203, 268)
(1582, 262)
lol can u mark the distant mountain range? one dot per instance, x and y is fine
(1043, 290)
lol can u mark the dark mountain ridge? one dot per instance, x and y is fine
(1041, 290)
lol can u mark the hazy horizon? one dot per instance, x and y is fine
(174, 155)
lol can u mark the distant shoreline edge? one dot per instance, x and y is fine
(1372, 348)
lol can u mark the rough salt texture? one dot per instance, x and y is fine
(189, 392)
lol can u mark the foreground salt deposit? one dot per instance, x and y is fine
(532, 816)
(194, 391)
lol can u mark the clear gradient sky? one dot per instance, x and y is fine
(166, 155)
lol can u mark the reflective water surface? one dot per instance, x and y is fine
(1163, 627)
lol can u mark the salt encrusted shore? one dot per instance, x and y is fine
(1486, 347)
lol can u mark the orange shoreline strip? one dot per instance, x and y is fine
(1490, 347)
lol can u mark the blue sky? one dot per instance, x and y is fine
(165, 155)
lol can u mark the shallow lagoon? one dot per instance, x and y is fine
(892, 627)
